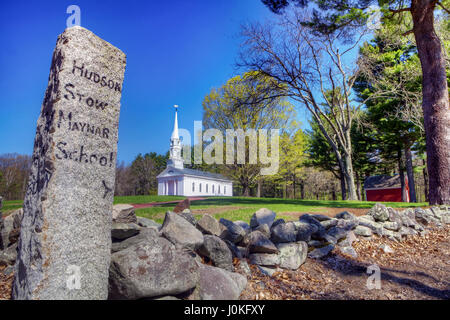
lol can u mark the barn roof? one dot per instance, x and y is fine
(382, 182)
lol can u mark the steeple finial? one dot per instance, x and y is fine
(175, 125)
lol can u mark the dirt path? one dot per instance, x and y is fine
(419, 269)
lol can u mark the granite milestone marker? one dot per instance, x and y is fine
(65, 238)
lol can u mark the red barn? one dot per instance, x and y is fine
(385, 188)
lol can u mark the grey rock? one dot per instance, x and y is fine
(305, 230)
(445, 219)
(216, 250)
(68, 203)
(187, 214)
(151, 269)
(220, 284)
(424, 217)
(347, 224)
(277, 222)
(236, 252)
(8, 256)
(259, 243)
(338, 233)
(394, 226)
(379, 212)
(262, 216)
(386, 248)
(232, 232)
(315, 243)
(394, 216)
(145, 235)
(123, 213)
(148, 223)
(180, 232)
(122, 231)
(320, 230)
(284, 232)
(366, 217)
(10, 229)
(321, 252)
(244, 225)
(321, 217)
(330, 239)
(327, 224)
(349, 250)
(363, 231)
(171, 298)
(267, 271)
(292, 255)
(345, 215)
(264, 229)
(376, 227)
(208, 225)
(407, 231)
(265, 259)
(244, 267)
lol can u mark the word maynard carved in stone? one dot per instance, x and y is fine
(68, 204)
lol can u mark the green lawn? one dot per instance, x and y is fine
(237, 208)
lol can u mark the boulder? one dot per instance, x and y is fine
(145, 235)
(208, 225)
(345, 215)
(244, 225)
(284, 232)
(10, 230)
(394, 226)
(267, 271)
(376, 227)
(151, 269)
(259, 243)
(337, 233)
(262, 216)
(264, 229)
(424, 217)
(321, 252)
(292, 255)
(348, 250)
(219, 284)
(379, 212)
(9, 255)
(217, 251)
(180, 232)
(187, 214)
(277, 222)
(327, 224)
(148, 223)
(363, 231)
(320, 232)
(305, 230)
(407, 231)
(394, 216)
(347, 224)
(232, 231)
(182, 205)
(321, 217)
(122, 231)
(123, 213)
(265, 259)
(236, 252)
(348, 241)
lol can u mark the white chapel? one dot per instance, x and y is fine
(179, 181)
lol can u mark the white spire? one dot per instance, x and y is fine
(175, 125)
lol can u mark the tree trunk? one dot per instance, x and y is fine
(410, 173)
(259, 189)
(358, 185)
(435, 102)
(425, 180)
(302, 191)
(349, 179)
(402, 176)
(343, 190)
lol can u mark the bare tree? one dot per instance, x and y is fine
(315, 72)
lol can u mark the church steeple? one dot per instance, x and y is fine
(175, 159)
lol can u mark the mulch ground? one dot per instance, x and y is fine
(419, 269)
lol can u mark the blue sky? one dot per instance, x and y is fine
(177, 51)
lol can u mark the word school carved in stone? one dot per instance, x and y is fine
(95, 77)
(79, 155)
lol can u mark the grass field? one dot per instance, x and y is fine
(237, 208)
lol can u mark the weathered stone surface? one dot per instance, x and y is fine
(244, 225)
(327, 224)
(348, 250)
(10, 229)
(9, 255)
(148, 223)
(347, 224)
(259, 243)
(122, 231)
(284, 232)
(424, 217)
(69, 198)
(123, 213)
(394, 226)
(232, 232)
(237, 252)
(145, 235)
(151, 269)
(187, 214)
(376, 227)
(264, 229)
(305, 230)
(180, 232)
(319, 231)
(386, 248)
(345, 215)
(379, 212)
(277, 222)
(265, 259)
(182, 205)
(321, 217)
(219, 284)
(321, 252)
(292, 255)
(338, 233)
(216, 250)
(268, 271)
(208, 225)
(262, 216)
(363, 231)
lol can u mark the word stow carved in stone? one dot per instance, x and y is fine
(67, 209)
